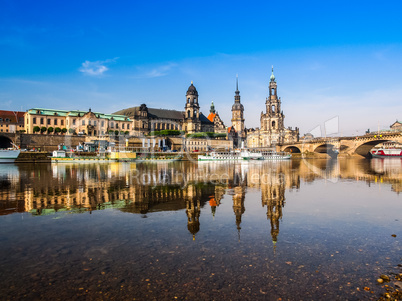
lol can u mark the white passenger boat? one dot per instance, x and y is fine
(9, 155)
(60, 156)
(220, 156)
(273, 155)
(244, 155)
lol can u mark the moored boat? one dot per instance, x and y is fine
(387, 153)
(9, 155)
(244, 155)
(273, 155)
(60, 156)
(220, 156)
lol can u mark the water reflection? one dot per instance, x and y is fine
(305, 230)
(143, 188)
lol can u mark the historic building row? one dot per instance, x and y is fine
(191, 120)
(141, 120)
(89, 123)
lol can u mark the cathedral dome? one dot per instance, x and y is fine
(237, 106)
(192, 90)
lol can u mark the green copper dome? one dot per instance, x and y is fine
(272, 78)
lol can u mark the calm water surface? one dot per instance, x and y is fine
(298, 230)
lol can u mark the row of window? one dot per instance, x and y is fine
(90, 122)
(48, 121)
(196, 143)
(5, 119)
(163, 126)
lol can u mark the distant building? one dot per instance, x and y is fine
(272, 130)
(78, 122)
(11, 121)
(397, 126)
(191, 120)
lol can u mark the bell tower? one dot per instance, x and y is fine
(238, 113)
(274, 118)
(192, 123)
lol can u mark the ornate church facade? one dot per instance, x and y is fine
(272, 130)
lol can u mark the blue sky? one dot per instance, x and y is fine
(331, 58)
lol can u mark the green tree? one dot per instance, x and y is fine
(50, 129)
(64, 130)
(57, 130)
(36, 129)
(43, 129)
(116, 132)
(71, 131)
(126, 132)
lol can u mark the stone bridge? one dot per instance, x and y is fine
(358, 145)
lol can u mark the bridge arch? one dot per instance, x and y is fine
(5, 142)
(326, 148)
(364, 149)
(292, 149)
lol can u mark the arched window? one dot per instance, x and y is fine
(188, 113)
(273, 91)
(188, 100)
(273, 109)
(273, 124)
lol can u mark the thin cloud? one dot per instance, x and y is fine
(157, 71)
(96, 68)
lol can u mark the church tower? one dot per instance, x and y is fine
(192, 123)
(238, 113)
(272, 122)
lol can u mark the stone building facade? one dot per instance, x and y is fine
(79, 122)
(191, 120)
(272, 130)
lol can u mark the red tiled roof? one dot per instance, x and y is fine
(12, 115)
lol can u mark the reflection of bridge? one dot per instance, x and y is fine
(360, 145)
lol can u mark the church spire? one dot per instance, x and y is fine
(237, 86)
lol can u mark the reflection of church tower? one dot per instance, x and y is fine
(273, 196)
(237, 113)
(193, 210)
(238, 205)
(192, 121)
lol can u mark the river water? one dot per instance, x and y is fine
(291, 230)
